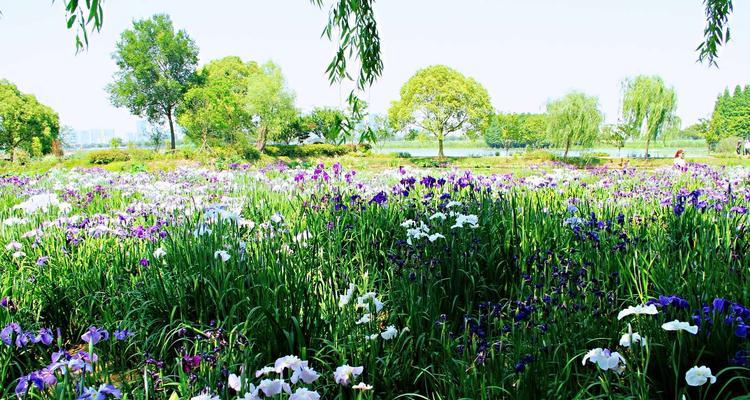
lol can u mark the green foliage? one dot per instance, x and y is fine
(696, 131)
(574, 120)
(156, 66)
(441, 101)
(23, 119)
(648, 107)
(731, 116)
(615, 135)
(102, 157)
(515, 130)
(327, 124)
(310, 150)
(214, 111)
(270, 103)
(116, 143)
(36, 147)
(716, 33)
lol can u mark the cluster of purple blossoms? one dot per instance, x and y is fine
(23, 338)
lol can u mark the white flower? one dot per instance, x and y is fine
(389, 333)
(159, 253)
(13, 246)
(680, 326)
(304, 394)
(302, 238)
(362, 301)
(19, 254)
(408, 223)
(264, 371)
(273, 387)
(31, 233)
(344, 373)
(207, 396)
(629, 338)
(365, 319)
(435, 236)
(223, 255)
(291, 362)
(201, 230)
(438, 215)
(249, 224)
(234, 382)
(604, 359)
(14, 221)
(277, 218)
(698, 376)
(462, 220)
(452, 204)
(252, 394)
(362, 386)
(638, 310)
(372, 337)
(305, 374)
(344, 299)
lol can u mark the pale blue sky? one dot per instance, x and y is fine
(525, 52)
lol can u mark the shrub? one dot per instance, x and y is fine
(108, 156)
(727, 145)
(141, 154)
(309, 150)
(21, 157)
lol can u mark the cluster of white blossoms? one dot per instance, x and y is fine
(372, 306)
(416, 231)
(301, 373)
(43, 202)
(612, 360)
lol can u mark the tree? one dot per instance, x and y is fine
(24, 121)
(214, 109)
(441, 101)
(327, 124)
(615, 135)
(506, 130)
(574, 120)
(156, 135)
(731, 116)
(648, 106)
(270, 104)
(156, 68)
(116, 143)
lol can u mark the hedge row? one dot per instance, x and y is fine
(313, 150)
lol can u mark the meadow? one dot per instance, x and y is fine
(325, 282)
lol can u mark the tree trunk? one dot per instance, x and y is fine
(567, 147)
(12, 153)
(648, 140)
(171, 129)
(261, 140)
(440, 148)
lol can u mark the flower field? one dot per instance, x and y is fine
(328, 283)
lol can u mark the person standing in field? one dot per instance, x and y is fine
(679, 159)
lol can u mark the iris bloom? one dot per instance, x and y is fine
(304, 374)
(365, 319)
(223, 255)
(159, 253)
(638, 310)
(389, 333)
(461, 220)
(345, 373)
(698, 376)
(362, 301)
(205, 396)
(273, 387)
(304, 394)
(362, 386)
(234, 382)
(344, 299)
(680, 326)
(291, 362)
(605, 359)
(13, 246)
(94, 335)
(629, 338)
(100, 394)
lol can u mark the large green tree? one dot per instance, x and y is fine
(574, 120)
(327, 124)
(731, 116)
(156, 67)
(441, 101)
(214, 110)
(648, 107)
(509, 130)
(270, 104)
(25, 122)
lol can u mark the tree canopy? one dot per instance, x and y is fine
(574, 120)
(440, 101)
(214, 110)
(731, 116)
(156, 68)
(648, 107)
(269, 103)
(509, 130)
(25, 122)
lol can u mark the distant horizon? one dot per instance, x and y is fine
(524, 54)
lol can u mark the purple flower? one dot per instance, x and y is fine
(379, 199)
(94, 335)
(41, 261)
(44, 337)
(144, 262)
(6, 302)
(104, 390)
(123, 334)
(741, 331)
(7, 332)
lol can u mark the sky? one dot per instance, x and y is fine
(525, 52)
